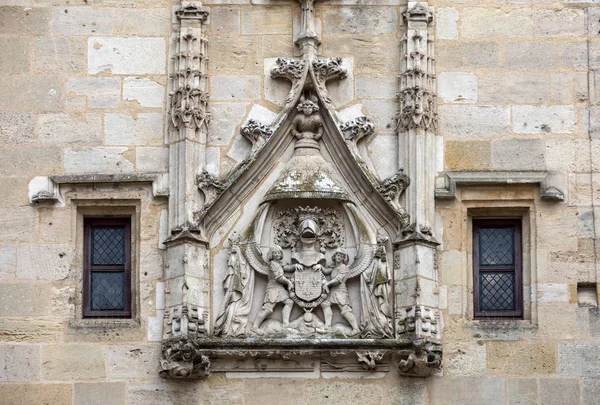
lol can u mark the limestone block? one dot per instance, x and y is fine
(479, 22)
(465, 358)
(100, 92)
(457, 87)
(31, 93)
(45, 262)
(235, 55)
(454, 265)
(530, 55)
(383, 114)
(34, 21)
(593, 21)
(133, 361)
(225, 20)
(595, 54)
(446, 23)
(518, 154)
(569, 88)
(575, 55)
(143, 129)
(552, 292)
(567, 155)
(19, 363)
(538, 120)
(72, 362)
(407, 391)
(342, 91)
(559, 391)
(360, 21)
(162, 392)
(27, 329)
(376, 87)
(511, 87)
(97, 160)
(24, 299)
(275, 90)
(15, 55)
(578, 359)
(273, 46)
(261, 114)
(36, 394)
(155, 326)
(152, 159)
(18, 224)
(151, 263)
(147, 22)
(521, 358)
(445, 391)
(471, 391)
(99, 394)
(260, 20)
(240, 149)
(16, 128)
(126, 55)
(213, 160)
(55, 224)
(594, 322)
(383, 151)
(372, 55)
(232, 88)
(567, 22)
(521, 391)
(70, 128)
(59, 54)
(467, 155)
(591, 390)
(147, 92)
(225, 119)
(8, 262)
(467, 55)
(28, 161)
(338, 392)
(70, 21)
(473, 121)
(558, 321)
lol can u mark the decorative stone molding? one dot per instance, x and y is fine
(210, 185)
(454, 179)
(326, 69)
(293, 70)
(357, 129)
(256, 133)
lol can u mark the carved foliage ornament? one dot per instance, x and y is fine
(357, 129)
(256, 133)
(287, 226)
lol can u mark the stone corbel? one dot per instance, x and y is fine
(181, 359)
(421, 360)
(43, 189)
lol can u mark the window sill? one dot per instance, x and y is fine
(500, 329)
(104, 323)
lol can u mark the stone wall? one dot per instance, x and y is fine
(84, 92)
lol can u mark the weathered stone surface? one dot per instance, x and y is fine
(446, 23)
(99, 92)
(225, 120)
(145, 22)
(594, 21)
(539, 120)
(471, 391)
(24, 299)
(382, 151)
(145, 91)
(15, 55)
(383, 114)
(530, 55)
(521, 391)
(591, 390)
(372, 55)
(31, 93)
(407, 391)
(70, 128)
(338, 392)
(279, 391)
(479, 22)
(97, 160)
(69, 21)
(162, 392)
(467, 55)
(31, 160)
(376, 87)
(152, 159)
(16, 128)
(520, 358)
(19, 363)
(559, 23)
(467, 155)
(457, 87)
(578, 359)
(34, 21)
(45, 262)
(235, 55)
(518, 154)
(58, 54)
(72, 362)
(133, 361)
(559, 391)
(361, 21)
(465, 359)
(100, 394)
(510, 87)
(29, 329)
(474, 121)
(232, 88)
(143, 129)
(36, 394)
(8, 262)
(18, 224)
(274, 20)
(126, 55)
(575, 55)
(568, 88)
(225, 20)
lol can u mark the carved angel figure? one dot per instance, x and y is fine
(276, 292)
(375, 290)
(239, 286)
(338, 294)
(307, 125)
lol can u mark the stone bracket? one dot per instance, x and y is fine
(547, 190)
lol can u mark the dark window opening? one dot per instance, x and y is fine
(107, 268)
(497, 268)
